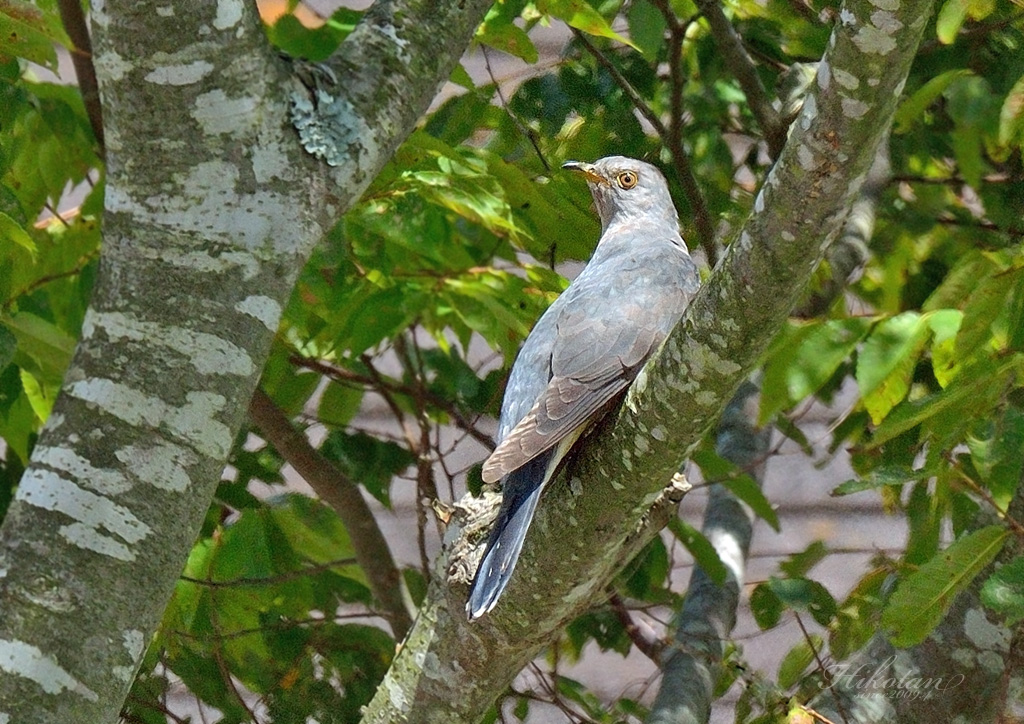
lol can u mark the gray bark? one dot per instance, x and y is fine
(599, 510)
(212, 207)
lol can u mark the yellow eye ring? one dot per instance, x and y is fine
(626, 180)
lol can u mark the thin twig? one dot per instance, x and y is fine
(821, 664)
(527, 132)
(379, 382)
(648, 646)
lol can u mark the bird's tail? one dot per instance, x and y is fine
(522, 489)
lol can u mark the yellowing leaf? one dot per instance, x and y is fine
(581, 15)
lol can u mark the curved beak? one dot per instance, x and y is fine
(587, 170)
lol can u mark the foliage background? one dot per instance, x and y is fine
(419, 297)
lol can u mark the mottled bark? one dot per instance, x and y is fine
(600, 505)
(212, 207)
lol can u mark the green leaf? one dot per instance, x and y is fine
(922, 599)
(951, 17)
(718, 470)
(802, 594)
(368, 460)
(500, 32)
(314, 44)
(883, 475)
(914, 106)
(704, 554)
(646, 28)
(1011, 116)
(986, 301)
(945, 324)
(581, 15)
(856, 620)
(967, 151)
(798, 564)
(312, 529)
(996, 444)
(886, 363)
(973, 386)
(339, 404)
(797, 659)
(803, 358)
(45, 344)
(1003, 591)
(11, 230)
(39, 396)
(30, 33)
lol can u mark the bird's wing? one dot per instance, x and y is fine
(593, 361)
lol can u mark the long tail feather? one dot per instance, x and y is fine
(522, 489)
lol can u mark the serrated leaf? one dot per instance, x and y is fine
(922, 599)
(886, 362)
(945, 324)
(995, 445)
(973, 385)
(983, 306)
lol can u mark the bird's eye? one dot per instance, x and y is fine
(626, 180)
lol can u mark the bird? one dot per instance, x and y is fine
(584, 351)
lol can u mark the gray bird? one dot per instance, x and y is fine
(585, 350)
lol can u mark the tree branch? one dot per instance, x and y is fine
(343, 495)
(742, 66)
(598, 508)
(691, 664)
(73, 20)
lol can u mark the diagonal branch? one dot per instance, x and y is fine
(600, 504)
(342, 494)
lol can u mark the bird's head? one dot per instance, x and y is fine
(626, 190)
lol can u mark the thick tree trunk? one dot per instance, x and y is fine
(212, 208)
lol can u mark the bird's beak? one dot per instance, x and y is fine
(587, 170)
